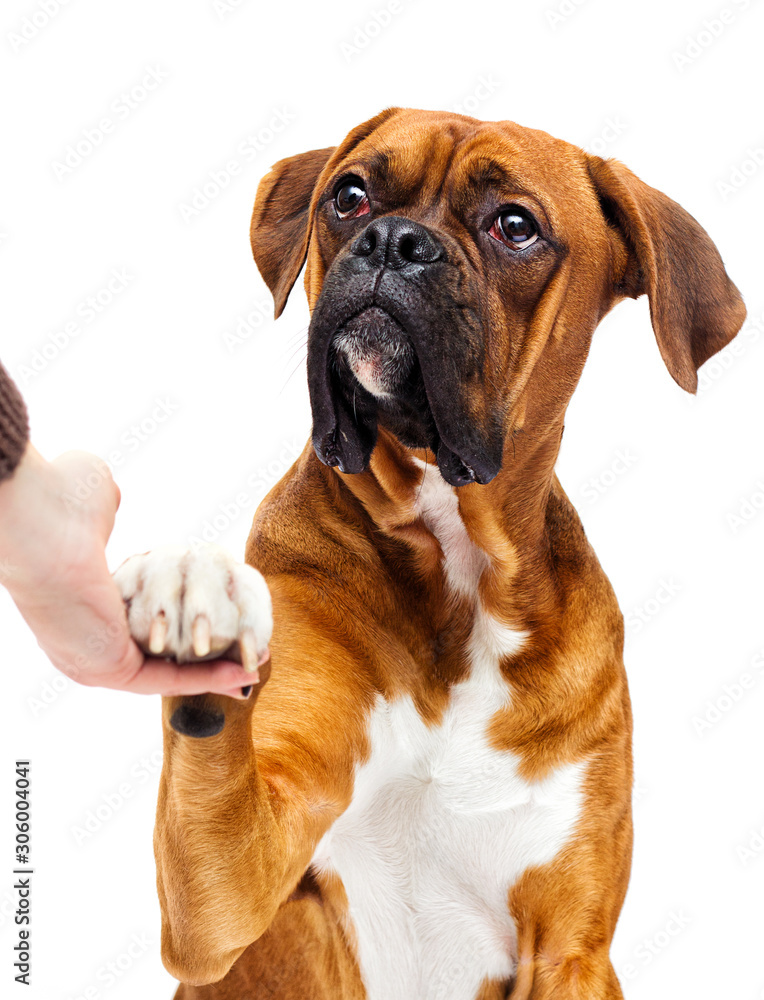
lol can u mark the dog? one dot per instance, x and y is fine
(430, 798)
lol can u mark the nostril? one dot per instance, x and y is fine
(366, 244)
(408, 247)
(396, 242)
(416, 246)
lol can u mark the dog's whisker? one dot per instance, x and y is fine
(293, 372)
(293, 354)
(299, 335)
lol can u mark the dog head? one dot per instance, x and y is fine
(456, 270)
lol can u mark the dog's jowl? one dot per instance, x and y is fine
(426, 795)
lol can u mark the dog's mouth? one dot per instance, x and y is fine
(374, 350)
(368, 366)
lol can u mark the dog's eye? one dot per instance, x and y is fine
(351, 199)
(515, 227)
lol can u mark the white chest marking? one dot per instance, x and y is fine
(438, 506)
(441, 825)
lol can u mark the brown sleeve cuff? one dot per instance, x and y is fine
(14, 425)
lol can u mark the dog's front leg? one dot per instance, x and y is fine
(565, 911)
(224, 862)
(243, 803)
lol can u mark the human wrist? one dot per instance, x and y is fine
(15, 495)
(41, 536)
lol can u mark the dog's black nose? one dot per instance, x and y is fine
(395, 242)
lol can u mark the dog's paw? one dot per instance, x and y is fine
(195, 605)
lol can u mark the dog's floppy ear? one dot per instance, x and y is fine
(280, 228)
(695, 309)
(279, 231)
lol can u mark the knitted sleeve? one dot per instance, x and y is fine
(14, 425)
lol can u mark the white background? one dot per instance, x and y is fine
(609, 77)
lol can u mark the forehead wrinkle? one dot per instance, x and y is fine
(451, 157)
(446, 160)
(384, 167)
(414, 162)
(509, 167)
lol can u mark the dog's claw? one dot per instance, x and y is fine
(249, 657)
(197, 605)
(158, 634)
(200, 635)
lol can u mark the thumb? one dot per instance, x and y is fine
(85, 480)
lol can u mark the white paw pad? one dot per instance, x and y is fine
(196, 605)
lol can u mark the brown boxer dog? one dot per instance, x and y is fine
(431, 797)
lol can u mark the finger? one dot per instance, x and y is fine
(172, 679)
(116, 669)
(83, 464)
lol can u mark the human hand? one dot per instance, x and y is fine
(55, 520)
